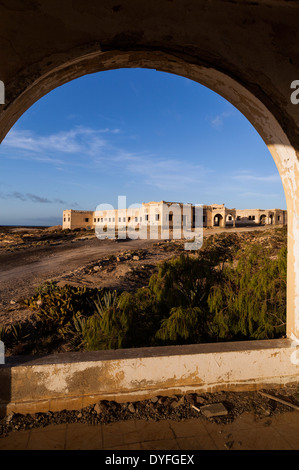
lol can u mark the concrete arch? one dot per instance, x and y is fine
(90, 40)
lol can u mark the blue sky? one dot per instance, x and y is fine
(142, 134)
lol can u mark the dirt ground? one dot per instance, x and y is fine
(31, 256)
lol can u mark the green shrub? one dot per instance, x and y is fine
(55, 306)
(249, 302)
(182, 324)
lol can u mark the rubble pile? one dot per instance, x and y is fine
(221, 408)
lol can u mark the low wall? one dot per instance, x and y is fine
(76, 380)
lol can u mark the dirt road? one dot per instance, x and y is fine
(43, 264)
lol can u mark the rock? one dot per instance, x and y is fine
(9, 417)
(154, 399)
(136, 258)
(213, 410)
(162, 400)
(100, 408)
(229, 444)
(12, 302)
(131, 408)
(119, 258)
(200, 400)
(167, 402)
(96, 268)
(265, 411)
(190, 398)
(176, 403)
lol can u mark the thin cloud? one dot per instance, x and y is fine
(39, 199)
(75, 141)
(29, 197)
(258, 194)
(218, 120)
(59, 201)
(104, 154)
(247, 176)
(26, 197)
(73, 205)
(16, 195)
(166, 174)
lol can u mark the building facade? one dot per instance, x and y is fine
(171, 215)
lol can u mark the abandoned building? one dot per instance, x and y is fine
(172, 215)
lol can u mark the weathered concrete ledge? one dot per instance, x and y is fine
(75, 380)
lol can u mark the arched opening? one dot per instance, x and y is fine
(263, 219)
(218, 220)
(229, 220)
(264, 122)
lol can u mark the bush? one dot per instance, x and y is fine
(56, 306)
(249, 302)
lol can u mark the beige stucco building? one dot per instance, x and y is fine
(217, 215)
(172, 215)
(154, 215)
